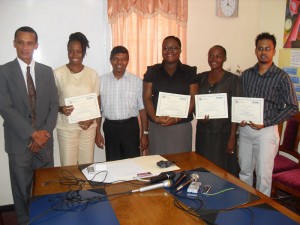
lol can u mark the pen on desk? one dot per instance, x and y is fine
(193, 177)
(182, 176)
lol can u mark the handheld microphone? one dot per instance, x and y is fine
(194, 177)
(165, 183)
(162, 176)
(182, 176)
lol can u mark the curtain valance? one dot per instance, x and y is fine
(172, 9)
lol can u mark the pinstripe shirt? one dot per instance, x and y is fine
(277, 89)
(121, 99)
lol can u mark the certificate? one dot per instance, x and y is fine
(86, 107)
(213, 105)
(248, 109)
(173, 105)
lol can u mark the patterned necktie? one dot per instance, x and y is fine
(31, 94)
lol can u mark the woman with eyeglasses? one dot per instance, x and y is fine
(168, 134)
(216, 138)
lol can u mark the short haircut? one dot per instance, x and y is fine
(27, 29)
(265, 35)
(174, 38)
(84, 42)
(221, 47)
(117, 50)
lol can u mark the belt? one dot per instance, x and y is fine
(121, 121)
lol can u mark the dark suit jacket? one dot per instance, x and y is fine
(15, 108)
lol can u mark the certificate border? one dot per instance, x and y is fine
(94, 95)
(188, 97)
(261, 116)
(216, 95)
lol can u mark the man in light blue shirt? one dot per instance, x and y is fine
(121, 104)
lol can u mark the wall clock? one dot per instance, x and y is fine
(227, 8)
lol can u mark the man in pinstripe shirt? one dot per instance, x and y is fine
(259, 142)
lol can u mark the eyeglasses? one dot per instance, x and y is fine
(266, 49)
(171, 48)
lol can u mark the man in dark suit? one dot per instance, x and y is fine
(27, 128)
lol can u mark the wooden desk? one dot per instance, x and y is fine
(153, 207)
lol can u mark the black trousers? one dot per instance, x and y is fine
(122, 138)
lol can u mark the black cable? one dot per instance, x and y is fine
(250, 210)
(73, 201)
(67, 178)
(252, 214)
(102, 171)
(39, 216)
(133, 183)
(193, 211)
(120, 193)
(190, 210)
(75, 183)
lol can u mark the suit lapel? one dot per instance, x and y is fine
(38, 84)
(20, 82)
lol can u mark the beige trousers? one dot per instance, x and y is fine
(76, 146)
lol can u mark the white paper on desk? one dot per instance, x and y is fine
(149, 164)
(173, 105)
(127, 169)
(214, 105)
(248, 109)
(86, 107)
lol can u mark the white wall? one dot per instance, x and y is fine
(54, 20)
(237, 35)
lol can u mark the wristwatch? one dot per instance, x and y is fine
(146, 132)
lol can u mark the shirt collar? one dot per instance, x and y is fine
(124, 75)
(23, 65)
(269, 72)
(179, 65)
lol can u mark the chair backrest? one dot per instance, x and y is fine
(290, 136)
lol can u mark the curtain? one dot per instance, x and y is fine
(141, 26)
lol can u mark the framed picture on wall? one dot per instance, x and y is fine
(292, 24)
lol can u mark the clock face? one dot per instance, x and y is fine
(288, 24)
(228, 7)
